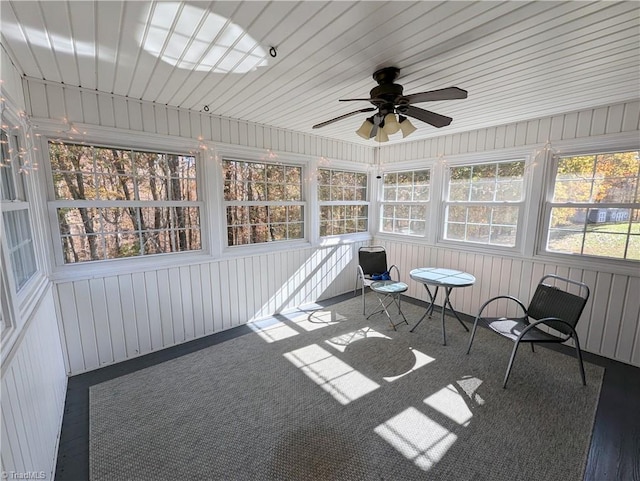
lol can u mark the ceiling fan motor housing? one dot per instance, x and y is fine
(387, 94)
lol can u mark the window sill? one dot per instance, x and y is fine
(28, 300)
(129, 265)
(596, 264)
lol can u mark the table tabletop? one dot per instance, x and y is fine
(442, 277)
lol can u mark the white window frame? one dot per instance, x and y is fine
(350, 168)
(218, 204)
(267, 203)
(121, 139)
(426, 204)
(571, 150)
(56, 204)
(523, 204)
(18, 303)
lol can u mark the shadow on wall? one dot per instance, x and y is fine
(310, 280)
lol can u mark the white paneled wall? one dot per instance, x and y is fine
(11, 80)
(48, 100)
(613, 119)
(33, 394)
(609, 325)
(111, 319)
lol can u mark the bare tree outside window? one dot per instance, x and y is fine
(405, 198)
(343, 200)
(263, 202)
(113, 203)
(484, 203)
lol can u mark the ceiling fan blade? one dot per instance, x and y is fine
(354, 100)
(450, 93)
(322, 124)
(426, 116)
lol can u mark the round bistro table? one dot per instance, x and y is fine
(448, 279)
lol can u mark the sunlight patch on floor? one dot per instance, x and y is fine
(421, 360)
(470, 385)
(272, 330)
(333, 375)
(310, 321)
(341, 342)
(450, 403)
(417, 437)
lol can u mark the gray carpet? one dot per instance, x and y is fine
(325, 394)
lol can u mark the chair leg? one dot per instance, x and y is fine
(513, 356)
(473, 333)
(364, 309)
(532, 348)
(579, 356)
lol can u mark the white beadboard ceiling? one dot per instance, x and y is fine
(518, 60)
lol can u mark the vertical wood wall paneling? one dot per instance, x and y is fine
(609, 325)
(48, 100)
(629, 322)
(613, 319)
(71, 330)
(186, 302)
(106, 112)
(90, 108)
(33, 391)
(114, 311)
(120, 112)
(101, 321)
(118, 317)
(143, 330)
(56, 102)
(72, 102)
(152, 297)
(591, 122)
(37, 100)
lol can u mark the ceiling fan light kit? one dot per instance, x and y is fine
(381, 136)
(388, 99)
(406, 126)
(365, 129)
(391, 125)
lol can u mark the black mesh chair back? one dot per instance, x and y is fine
(550, 301)
(372, 261)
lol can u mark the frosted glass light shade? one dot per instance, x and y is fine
(382, 136)
(365, 129)
(407, 127)
(391, 125)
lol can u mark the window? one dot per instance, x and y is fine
(17, 234)
(113, 203)
(595, 207)
(342, 198)
(263, 202)
(484, 203)
(405, 199)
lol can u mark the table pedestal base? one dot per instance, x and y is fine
(429, 311)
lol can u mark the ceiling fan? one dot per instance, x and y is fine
(388, 99)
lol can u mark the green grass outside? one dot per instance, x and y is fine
(606, 240)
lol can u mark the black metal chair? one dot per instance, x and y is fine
(372, 267)
(550, 306)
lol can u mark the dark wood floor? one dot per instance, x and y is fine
(614, 454)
